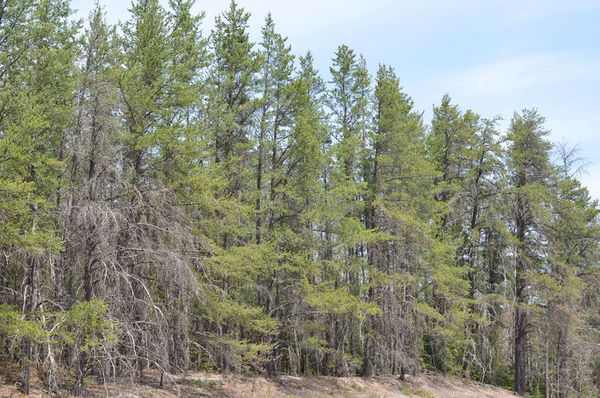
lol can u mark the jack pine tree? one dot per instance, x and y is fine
(530, 171)
(344, 227)
(161, 56)
(399, 189)
(89, 169)
(451, 147)
(37, 95)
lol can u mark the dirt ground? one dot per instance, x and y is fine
(236, 386)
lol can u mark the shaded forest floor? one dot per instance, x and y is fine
(237, 386)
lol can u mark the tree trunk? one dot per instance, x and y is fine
(520, 313)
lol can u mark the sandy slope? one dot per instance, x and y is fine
(213, 385)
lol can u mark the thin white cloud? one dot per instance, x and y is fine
(514, 75)
(526, 11)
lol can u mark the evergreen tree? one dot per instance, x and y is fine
(38, 93)
(483, 187)
(344, 229)
(530, 171)
(90, 171)
(451, 145)
(399, 187)
(160, 59)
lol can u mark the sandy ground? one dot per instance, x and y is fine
(236, 386)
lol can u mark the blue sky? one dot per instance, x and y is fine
(492, 56)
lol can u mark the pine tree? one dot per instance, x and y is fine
(161, 56)
(234, 77)
(530, 170)
(240, 329)
(482, 189)
(399, 188)
(571, 230)
(90, 168)
(37, 114)
(451, 146)
(344, 230)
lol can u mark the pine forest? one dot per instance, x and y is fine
(173, 198)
